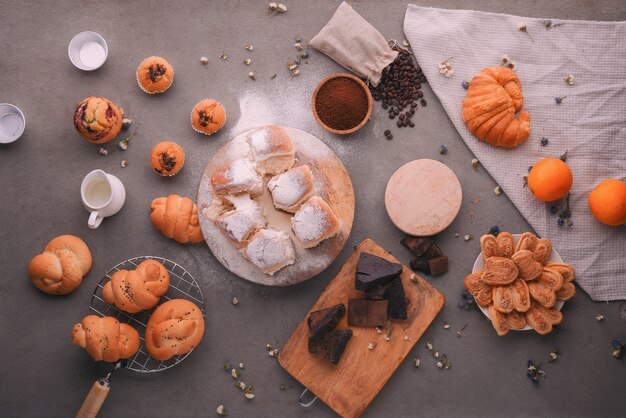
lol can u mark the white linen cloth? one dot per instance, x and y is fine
(590, 122)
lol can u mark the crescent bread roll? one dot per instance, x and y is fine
(314, 222)
(272, 149)
(105, 338)
(175, 327)
(292, 188)
(136, 290)
(176, 217)
(270, 250)
(61, 266)
(239, 176)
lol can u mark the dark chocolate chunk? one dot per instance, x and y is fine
(372, 271)
(367, 313)
(394, 293)
(332, 345)
(417, 245)
(323, 321)
(434, 251)
(420, 264)
(376, 293)
(438, 265)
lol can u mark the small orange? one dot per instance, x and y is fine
(608, 202)
(550, 179)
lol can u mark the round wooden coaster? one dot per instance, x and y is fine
(332, 183)
(423, 197)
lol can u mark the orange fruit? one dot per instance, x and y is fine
(550, 179)
(608, 202)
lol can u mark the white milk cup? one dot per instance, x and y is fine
(103, 195)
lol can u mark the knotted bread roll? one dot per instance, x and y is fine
(136, 290)
(105, 338)
(176, 217)
(60, 268)
(175, 327)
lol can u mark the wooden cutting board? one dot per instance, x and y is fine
(349, 387)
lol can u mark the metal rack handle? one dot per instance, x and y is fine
(309, 403)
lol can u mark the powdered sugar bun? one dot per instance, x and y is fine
(314, 222)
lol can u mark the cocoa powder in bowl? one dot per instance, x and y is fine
(342, 103)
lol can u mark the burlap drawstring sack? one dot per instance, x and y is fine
(355, 44)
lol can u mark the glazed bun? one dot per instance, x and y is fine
(105, 338)
(175, 327)
(137, 290)
(61, 266)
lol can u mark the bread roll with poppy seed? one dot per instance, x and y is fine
(175, 327)
(136, 290)
(105, 338)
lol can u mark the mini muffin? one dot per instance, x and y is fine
(208, 117)
(167, 158)
(98, 120)
(155, 75)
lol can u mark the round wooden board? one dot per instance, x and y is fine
(333, 184)
(423, 197)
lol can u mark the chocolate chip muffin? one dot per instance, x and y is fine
(155, 75)
(167, 158)
(98, 120)
(208, 117)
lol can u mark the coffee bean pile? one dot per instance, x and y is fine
(399, 89)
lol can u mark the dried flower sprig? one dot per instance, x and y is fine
(559, 100)
(548, 24)
(467, 300)
(221, 411)
(553, 355)
(506, 62)
(276, 8)
(205, 61)
(534, 372)
(523, 28)
(443, 150)
(465, 84)
(544, 141)
(445, 68)
(569, 79)
(619, 348)
(494, 230)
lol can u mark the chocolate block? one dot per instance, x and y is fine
(367, 313)
(438, 265)
(372, 271)
(420, 264)
(322, 321)
(434, 251)
(394, 293)
(376, 293)
(417, 245)
(332, 345)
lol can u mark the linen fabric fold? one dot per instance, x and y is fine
(590, 122)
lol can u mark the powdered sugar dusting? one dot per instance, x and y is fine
(270, 250)
(239, 224)
(310, 222)
(259, 140)
(290, 187)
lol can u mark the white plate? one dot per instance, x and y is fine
(479, 264)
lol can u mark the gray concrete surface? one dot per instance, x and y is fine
(43, 374)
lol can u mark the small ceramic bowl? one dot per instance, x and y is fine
(12, 123)
(369, 103)
(88, 51)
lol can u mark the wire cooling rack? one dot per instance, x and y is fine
(182, 286)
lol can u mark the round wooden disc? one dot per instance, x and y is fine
(423, 197)
(332, 183)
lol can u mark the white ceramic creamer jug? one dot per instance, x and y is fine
(103, 195)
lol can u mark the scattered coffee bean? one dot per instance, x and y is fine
(423, 102)
(387, 132)
(399, 88)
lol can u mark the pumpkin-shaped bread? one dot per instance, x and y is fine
(493, 97)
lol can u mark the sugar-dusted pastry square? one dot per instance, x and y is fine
(314, 222)
(292, 188)
(242, 222)
(270, 250)
(238, 176)
(272, 149)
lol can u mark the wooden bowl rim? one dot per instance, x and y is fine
(369, 103)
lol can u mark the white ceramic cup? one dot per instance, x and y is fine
(88, 51)
(12, 123)
(103, 195)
